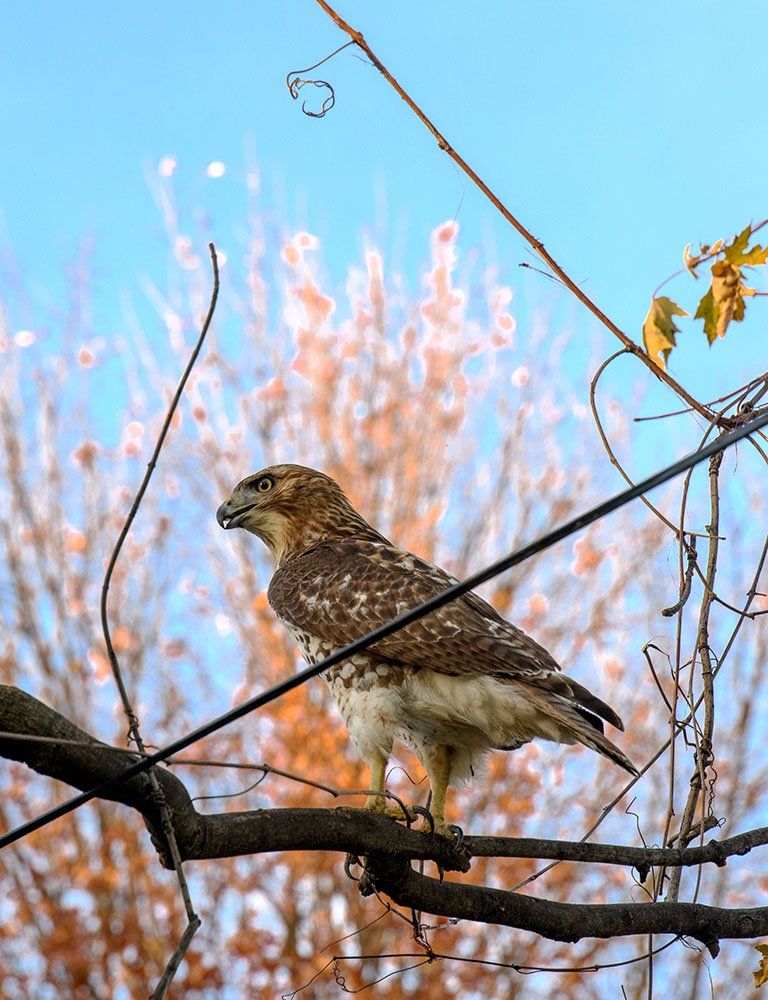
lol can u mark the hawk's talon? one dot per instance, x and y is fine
(458, 834)
(427, 816)
(349, 861)
(438, 826)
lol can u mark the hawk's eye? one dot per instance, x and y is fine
(265, 484)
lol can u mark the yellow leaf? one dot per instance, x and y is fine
(761, 976)
(738, 253)
(723, 302)
(737, 246)
(659, 329)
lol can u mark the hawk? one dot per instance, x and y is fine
(452, 686)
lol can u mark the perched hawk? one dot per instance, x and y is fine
(452, 686)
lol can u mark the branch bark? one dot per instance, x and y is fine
(562, 921)
(388, 848)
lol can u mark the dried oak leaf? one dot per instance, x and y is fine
(724, 301)
(659, 329)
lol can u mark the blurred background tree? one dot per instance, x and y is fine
(459, 435)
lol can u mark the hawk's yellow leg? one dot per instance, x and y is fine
(438, 765)
(379, 803)
(376, 803)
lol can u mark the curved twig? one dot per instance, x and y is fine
(677, 531)
(685, 590)
(295, 80)
(193, 921)
(113, 661)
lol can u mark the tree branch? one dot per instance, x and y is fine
(388, 847)
(537, 245)
(561, 921)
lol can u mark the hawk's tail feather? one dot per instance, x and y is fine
(579, 727)
(596, 741)
(593, 704)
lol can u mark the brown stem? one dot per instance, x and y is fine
(537, 245)
(703, 755)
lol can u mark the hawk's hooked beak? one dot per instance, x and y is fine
(230, 517)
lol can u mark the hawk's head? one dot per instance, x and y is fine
(290, 508)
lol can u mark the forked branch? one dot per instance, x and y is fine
(387, 847)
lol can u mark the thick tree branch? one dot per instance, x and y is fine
(84, 767)
(562, 921)
(388, 847)
(201, 836)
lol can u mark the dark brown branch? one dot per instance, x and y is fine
(388, 847)
(200, 836)
(562, 921)
(82, 767)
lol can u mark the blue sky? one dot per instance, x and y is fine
(617, 132)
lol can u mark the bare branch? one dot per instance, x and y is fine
(563, 921)
(537, 245)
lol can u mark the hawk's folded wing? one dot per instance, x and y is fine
(341, 590)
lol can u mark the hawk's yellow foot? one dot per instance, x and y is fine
(438, 762)
(442, 829)
(379, 804)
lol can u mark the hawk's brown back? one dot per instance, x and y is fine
(342, 589)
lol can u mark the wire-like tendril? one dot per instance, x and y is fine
(295, 80)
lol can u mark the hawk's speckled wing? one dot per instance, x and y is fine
(340, 590)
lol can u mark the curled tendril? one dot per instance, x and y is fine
(327, 104)
(295, 80)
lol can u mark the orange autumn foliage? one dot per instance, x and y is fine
(447, 435)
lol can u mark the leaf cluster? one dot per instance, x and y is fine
(724, 301)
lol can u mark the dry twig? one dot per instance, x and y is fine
(537, 245)
(134, 733)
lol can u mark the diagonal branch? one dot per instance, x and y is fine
(537, 245)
